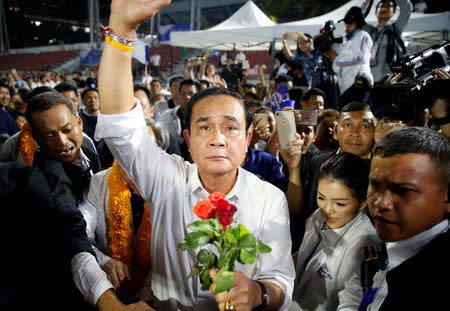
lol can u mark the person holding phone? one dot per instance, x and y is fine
(304, 55)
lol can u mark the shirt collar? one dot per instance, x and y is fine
(237, 193)
(332, 236)
(402, 250)
(83, 162)
(350, 36)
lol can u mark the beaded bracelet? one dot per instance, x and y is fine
(119, 42)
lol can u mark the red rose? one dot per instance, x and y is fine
(225, 212)
(204, 209)
(213, 197)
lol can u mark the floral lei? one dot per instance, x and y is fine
(27, 145)
(120, 233)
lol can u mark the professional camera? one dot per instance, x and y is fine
(402, 101)
(326, 39)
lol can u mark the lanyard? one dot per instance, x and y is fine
(314, 249)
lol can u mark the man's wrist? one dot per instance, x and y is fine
(264, 297)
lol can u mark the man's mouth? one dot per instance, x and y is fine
(67, 152)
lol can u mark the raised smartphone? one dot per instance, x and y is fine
(285, 127)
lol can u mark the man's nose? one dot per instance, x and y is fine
(383, 201)
(217, 139)
(62, 139)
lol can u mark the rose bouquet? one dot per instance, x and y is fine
(232, 242)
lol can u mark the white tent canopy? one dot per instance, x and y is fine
(247, 29)
(250, 29)
(418, 22)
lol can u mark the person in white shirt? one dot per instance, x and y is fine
(352, 64)
(217, 133)
(240, 57)
(420, 6)
(154, 61)
(329, 274)
(408, 198)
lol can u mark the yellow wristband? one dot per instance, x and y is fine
(118, 45)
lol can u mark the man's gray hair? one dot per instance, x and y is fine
(162, 138)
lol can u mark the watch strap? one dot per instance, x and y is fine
(442, 121)
(265, 296)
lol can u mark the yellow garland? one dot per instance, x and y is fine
(27, 145)
(120, 233)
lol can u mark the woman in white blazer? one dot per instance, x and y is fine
(337, 240)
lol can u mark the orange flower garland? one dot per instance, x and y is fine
(27, 145)
(120, 233)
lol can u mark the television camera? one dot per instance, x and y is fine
(326, 38)
(402, 100)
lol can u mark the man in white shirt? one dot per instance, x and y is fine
(154, 60)
(408, 199)
(217, 133)
(352, 64)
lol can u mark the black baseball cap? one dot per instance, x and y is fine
(354, 14)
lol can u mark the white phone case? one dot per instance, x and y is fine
(285, 127)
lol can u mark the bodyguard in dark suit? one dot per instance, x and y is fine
(58, 130)
(408, 199)
(42, 230)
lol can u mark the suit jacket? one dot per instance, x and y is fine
(422, 281)
(79, 181)
(42, 230)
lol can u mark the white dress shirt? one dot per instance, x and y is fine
(95, 210)
(172, 188)
(397, 253)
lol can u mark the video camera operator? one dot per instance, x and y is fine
(388, 45)
(352, 65)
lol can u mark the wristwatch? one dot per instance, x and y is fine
(265, 296)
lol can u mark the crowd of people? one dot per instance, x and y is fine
(99, 176)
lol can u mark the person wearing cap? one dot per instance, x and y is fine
(387, 43)
(352, 65)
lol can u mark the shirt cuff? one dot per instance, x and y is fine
(118, 125)
(89, 278)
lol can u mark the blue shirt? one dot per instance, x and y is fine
(266, 167)
(309, 63)
(7, 124)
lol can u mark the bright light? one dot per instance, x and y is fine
(87, 29)
(74, 28)
(37, 23)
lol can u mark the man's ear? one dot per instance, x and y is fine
(152, 111)
(249, 135)
(335, 136)
(187, 138)
(80, 122)
(447, 203)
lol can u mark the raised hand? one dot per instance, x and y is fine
(126, 15)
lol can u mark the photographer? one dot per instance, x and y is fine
(351, 65)
(304, 56)
(388, 45)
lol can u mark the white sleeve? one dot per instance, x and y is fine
(150, 168)
(354, 51)
(90, 279)
(278, 265)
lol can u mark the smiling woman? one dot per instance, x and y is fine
(338, 229)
